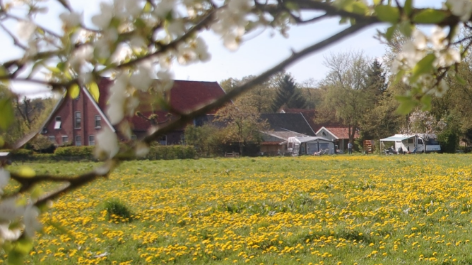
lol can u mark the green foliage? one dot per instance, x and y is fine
(288, 94)
(204, 138)
(449, 141)
(172, 152)
(6, 109)
(117, 210)
(387, 13)
(429, 16)
(80, 151)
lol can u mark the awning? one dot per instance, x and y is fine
(396, 138)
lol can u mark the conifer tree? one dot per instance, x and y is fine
(288, 94)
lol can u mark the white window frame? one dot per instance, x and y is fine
(91, 140)
(66, 137)
(98, 119)
(78, 140)
(77, 120)
(57, 123)
(52, 139)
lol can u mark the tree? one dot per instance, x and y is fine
(242, 124)
(288, 94)
(137, 41)
(346, 92)
(376, 77)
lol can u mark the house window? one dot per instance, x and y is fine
(133, 137)
(163, 140)
(78, 120)
(98, 121)
(65, 139)
(78, 140)
(91, 140)
(52, 139)
(57, 123)
(45, 130)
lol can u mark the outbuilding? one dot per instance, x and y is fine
(309, 145)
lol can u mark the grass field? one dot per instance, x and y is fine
(406, 209)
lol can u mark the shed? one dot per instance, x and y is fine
(309, 145)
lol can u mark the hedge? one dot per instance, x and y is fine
(76, 153)
(171, 152)
(81, 151)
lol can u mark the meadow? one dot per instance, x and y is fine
(401, 209)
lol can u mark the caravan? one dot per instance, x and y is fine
(413, 143)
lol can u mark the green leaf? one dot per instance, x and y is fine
(54, 69)
(6, 110)
(24, 245)
(292, 6)
(15, 258)
(357, 7)
(147, 7)
(376, 2)
(387, 13)
(390, 31)
(26, 172)
(406, 28)
(93, 88)
(4, 72)
(460, 79)
(426, 102)
(74, 91)
(61, 66)
(429, 16)
(408, 7)
(407, 104)
(424, 66)
(36, 192)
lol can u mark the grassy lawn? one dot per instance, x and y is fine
(403, 209)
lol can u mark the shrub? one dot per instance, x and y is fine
(117, 210)
(81, 151)
(171, 152)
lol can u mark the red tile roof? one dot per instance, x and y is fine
(341, 132)
(185, 96)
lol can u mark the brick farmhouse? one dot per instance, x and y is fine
(77, 121)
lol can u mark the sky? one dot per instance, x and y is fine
(260, 50)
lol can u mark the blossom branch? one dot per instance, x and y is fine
(16, 41)
(183, 119)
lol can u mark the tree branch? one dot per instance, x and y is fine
(259, 79)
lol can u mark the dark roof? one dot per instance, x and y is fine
(310, 115)
(288, 121)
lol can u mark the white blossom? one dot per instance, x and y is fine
(448, 57)
(163, 8)
(438, 38)
(118, 94)
(461, 8)
(142, 149)
(9, 210)
(420, 40)
(30, 220)
(7, 234)
(81, 55)
(107, 143)
(71, 19)
(441, 89)
(141, 79)
(166, 80)
(102, 19)
(25, 29)
(4, 179)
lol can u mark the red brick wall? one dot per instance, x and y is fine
(67, 112)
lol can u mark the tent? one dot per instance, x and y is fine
(309, 145)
